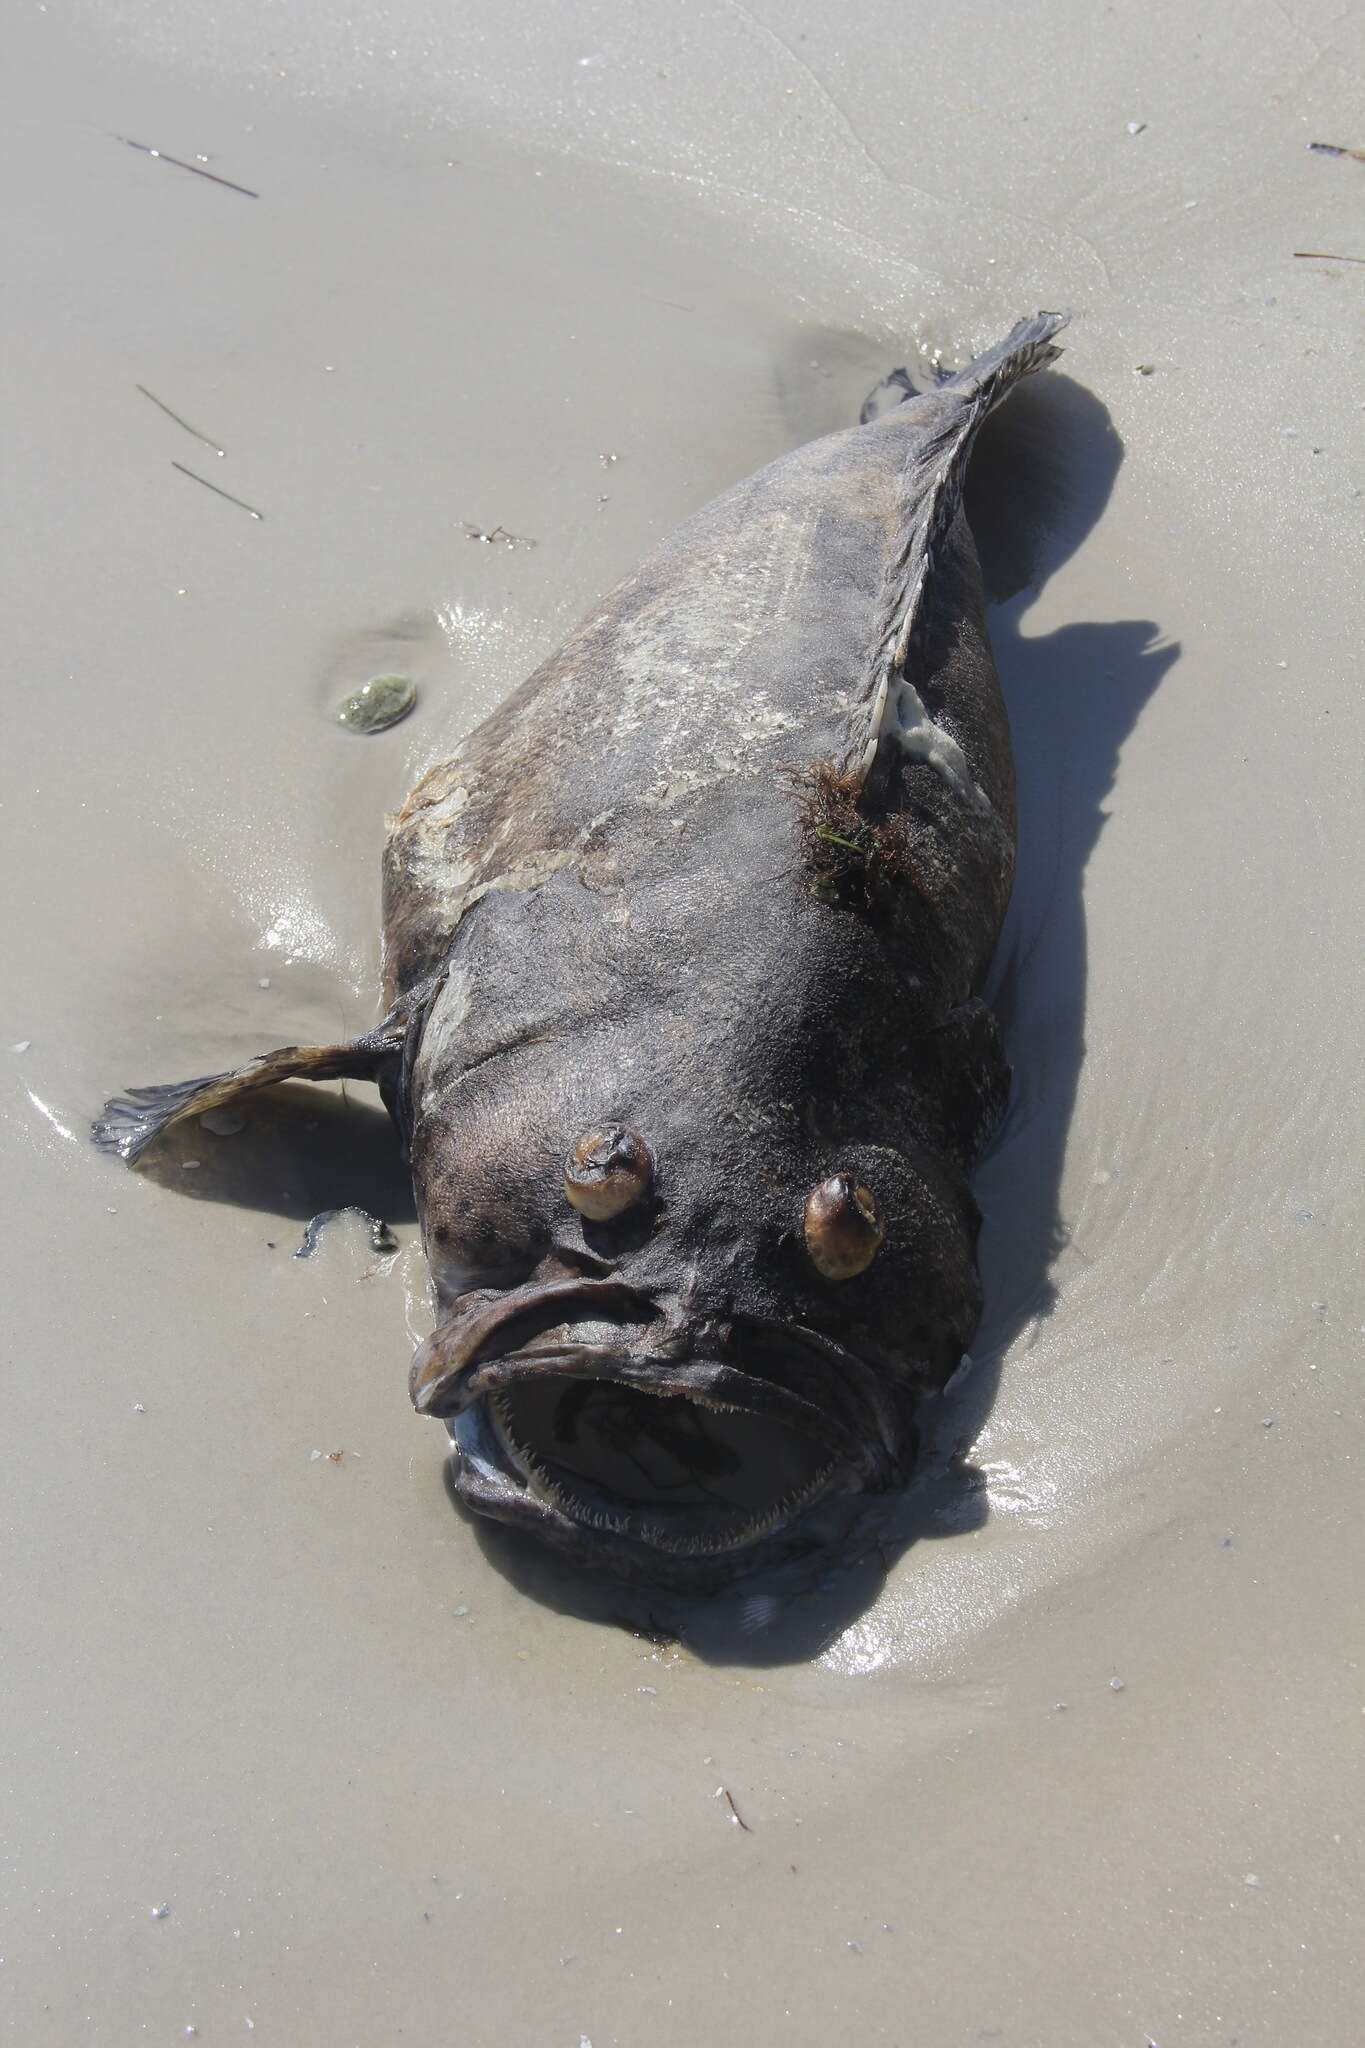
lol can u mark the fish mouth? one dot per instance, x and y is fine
(646, 1463)
(602, 1437)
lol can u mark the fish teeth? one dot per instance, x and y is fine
(702, 1544)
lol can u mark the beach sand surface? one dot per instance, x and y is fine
(288, 1748)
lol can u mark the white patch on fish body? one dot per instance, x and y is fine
(458, 884)
(679, 674)
(682, 667)
(955, 1379)
(898, 711)
(917, 735)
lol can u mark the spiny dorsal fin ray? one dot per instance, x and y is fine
(934, 473)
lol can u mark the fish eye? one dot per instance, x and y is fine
(608, 1172)
(843, 1230)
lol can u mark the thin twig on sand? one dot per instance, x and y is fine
(181, 165)
(215, 488)
(179, 422)
(736, 1816)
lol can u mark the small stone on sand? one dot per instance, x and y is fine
(378, 704)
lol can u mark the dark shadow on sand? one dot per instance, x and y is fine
(1041, 476)
(303, 1149)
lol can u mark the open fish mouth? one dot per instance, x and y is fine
(578, 1414)
(678, 1472)
(600, 1433)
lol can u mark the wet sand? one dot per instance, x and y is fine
(1075, 1759)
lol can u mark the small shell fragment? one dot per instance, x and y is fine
(378, 704)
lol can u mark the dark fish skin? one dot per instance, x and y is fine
(606, 910)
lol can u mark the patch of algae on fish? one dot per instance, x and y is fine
(378, 704)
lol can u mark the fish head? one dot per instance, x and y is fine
(691, 1276)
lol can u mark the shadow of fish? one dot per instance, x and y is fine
(684, 1041)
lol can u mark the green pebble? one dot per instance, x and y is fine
(377, 704)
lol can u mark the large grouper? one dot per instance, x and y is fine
(684, 1037)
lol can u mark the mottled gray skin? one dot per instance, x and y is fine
(597, 912)
(645, 948)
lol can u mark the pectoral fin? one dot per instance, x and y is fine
(131, 1122)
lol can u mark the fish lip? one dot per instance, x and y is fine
(441, 1366)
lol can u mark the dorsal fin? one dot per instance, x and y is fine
(933, 478)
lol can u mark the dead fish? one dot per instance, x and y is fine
(685, 1042)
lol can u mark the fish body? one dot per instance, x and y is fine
(683, 956)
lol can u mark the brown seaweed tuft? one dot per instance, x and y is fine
(851, 858)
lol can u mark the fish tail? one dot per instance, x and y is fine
(1027, 347)
(939, 469)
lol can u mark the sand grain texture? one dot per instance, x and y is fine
(570, 272)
